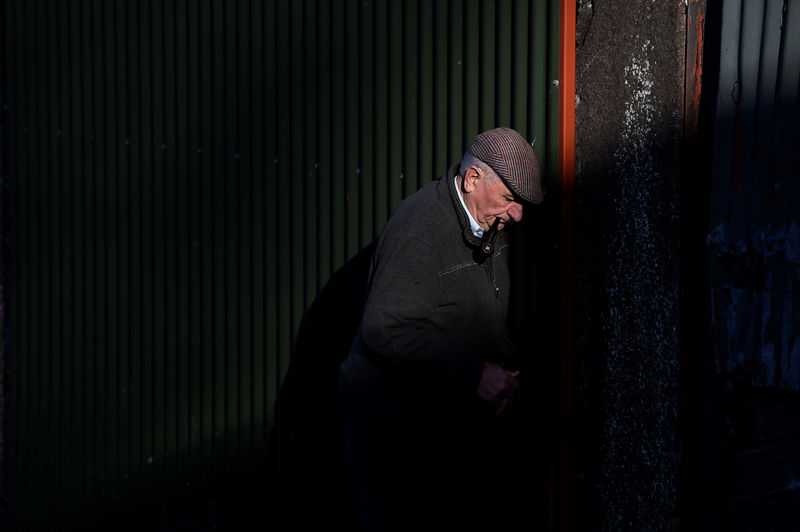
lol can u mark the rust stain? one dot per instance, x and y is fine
(697, 70)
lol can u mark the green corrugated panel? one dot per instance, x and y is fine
(194, 189)
(135, 282)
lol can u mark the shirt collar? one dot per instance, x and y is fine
(477, 230)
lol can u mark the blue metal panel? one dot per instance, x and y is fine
(754, 235)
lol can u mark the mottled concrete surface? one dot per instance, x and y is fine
(629, 68)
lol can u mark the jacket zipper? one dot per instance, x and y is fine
(492, 278)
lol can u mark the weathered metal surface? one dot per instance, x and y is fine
(754, 235)
(194, 187)
(694, 66)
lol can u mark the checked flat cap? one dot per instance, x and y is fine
(513, 159)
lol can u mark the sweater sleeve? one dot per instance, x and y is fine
(397, 326)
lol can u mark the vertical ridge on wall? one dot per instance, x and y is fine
(192, 267)
(488, 65)
(426, 53)
(442, 91)
(473, 58)
(194, 189)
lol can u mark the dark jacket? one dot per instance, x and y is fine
(435, 311)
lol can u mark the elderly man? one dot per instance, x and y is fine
(431, 364)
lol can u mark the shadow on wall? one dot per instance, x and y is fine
(293, 481)
(306, 482)
(307, 488)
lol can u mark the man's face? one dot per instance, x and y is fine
(490, 201)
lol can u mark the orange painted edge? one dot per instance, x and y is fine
(566, 180)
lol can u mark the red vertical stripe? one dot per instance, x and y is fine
(566, 179)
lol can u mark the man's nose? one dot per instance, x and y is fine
(515, 212)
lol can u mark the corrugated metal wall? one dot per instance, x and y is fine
(193, 188)
(754, 233)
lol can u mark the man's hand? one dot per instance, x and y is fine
(497, 386)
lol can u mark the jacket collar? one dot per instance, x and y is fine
(463, 220)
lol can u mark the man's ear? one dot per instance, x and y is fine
(470, 177)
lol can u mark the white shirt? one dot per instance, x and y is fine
(477, 230)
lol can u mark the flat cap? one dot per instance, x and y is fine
(513, 159)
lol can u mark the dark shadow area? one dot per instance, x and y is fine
(762, 477)
(535, 327)
(535, 429)
(293, 481)
(5, 276)
(702, 422)
(307, 488)
(623, 371)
